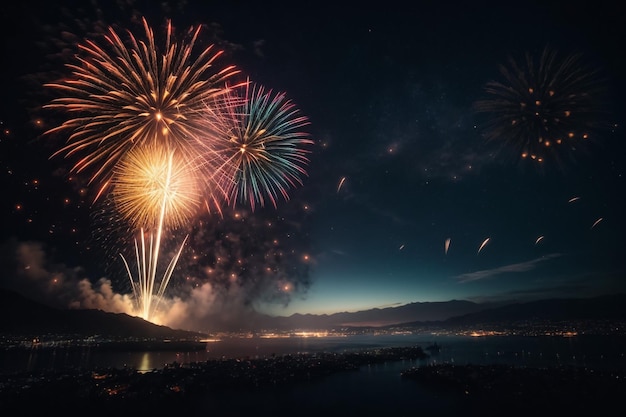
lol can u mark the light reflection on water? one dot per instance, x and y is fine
(145, 364)
(600, 352)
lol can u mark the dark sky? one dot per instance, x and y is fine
(400, 163)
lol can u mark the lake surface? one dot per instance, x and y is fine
(371, 390)
(600, 352)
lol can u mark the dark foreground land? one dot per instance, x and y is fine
(478, 390)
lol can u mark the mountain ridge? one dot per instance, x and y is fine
(608, 306)
(30, 317)
(377, 317)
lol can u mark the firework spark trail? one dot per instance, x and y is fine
(596, 222)
(341, 182)
(143, 285)
(482, 245)
(151, 187)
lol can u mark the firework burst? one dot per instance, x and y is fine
(260, 144)
(543, 109)
(129, 93)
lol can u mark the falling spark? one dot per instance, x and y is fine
(571, 200)
(596, 222)
(343, 179)
(483, 245)
(447, 245)
(539, 239)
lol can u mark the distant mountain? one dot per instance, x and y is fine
(30, 317)
(457, 313)
(609, 307)
(426, 311)
(26, 317)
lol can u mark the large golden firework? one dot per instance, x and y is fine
(153, 186)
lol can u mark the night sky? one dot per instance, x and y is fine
(401, 164)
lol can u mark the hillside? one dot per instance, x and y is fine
(26, 317)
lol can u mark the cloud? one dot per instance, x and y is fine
(518, 267)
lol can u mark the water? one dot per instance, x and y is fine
(598, 352)
(372, 390)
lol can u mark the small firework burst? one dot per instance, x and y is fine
(543, 109)
(262, 143)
